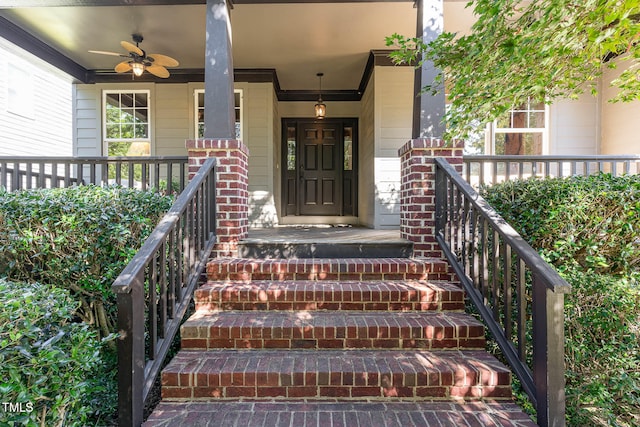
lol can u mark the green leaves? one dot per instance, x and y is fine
(589, 229)
(544, 50)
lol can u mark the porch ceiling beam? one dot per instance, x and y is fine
(21, 38)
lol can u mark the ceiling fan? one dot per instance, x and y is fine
(138, 60)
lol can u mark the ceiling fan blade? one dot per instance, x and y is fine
(103, 52)
(158, 70)
(131, 48)
(123, 67)
(163, 60)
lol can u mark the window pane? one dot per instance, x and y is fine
(291, 148)
(519, 119)
(348, 148)
(536, 119)
(141, 131)
(141, 100)
(113, 131)
(514, 143)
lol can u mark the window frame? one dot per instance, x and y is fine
(239, 108)
(494, 129)
(105, 140)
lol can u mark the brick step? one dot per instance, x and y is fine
(338, 414)
(331, 330)
(330, 295)
(344, 374)
(328, 269)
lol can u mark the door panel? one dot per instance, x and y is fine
(319, 171)
(319, 176)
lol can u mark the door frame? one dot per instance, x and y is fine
(290, 179)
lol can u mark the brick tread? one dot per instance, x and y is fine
(338, 414)
(330, 295)
(247, 269)
(324, 329)
(399, 374)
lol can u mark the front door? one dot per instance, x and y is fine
(319, 179)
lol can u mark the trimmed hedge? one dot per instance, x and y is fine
(77, 238)
(50, 367)
(589, 229)
(73, 242)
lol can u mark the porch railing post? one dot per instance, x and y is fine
(131, 359)
(417, 191)
(548, 354)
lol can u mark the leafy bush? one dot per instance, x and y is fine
(77, 238)
(589, 229)
(50, 366)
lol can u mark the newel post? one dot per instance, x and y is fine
(418, 191)
(232, 189)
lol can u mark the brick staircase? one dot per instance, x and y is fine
(333, 342)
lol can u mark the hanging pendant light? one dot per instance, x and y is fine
(320, 107)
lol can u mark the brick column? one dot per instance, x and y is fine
(417, 191)
(232, 189)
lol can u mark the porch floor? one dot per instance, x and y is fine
(323, 242)
(326, 234)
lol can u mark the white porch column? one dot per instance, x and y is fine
(219, 115)
(428, 109)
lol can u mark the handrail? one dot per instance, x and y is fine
(154, 290)
(144, 173)
(512, 287)
(488, 169)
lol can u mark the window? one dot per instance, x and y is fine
(199, 97)
(522, 131)
(20, 99)
(126, 123)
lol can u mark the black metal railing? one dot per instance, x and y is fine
(161, 173)
(155, 289)
(518, 295)
(487, 170)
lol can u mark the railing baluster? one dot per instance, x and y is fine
(522, 309)
(507, 291)
(495, 280)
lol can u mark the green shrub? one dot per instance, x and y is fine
(77, 238)
(50, 367)
(589, 229)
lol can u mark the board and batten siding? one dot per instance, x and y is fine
(41, 124)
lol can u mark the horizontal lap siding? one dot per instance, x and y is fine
(393, 116)
(46, 130)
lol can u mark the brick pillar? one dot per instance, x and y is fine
(232, 189)
(417, 191)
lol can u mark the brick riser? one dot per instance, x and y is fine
(364, 269)
(330, 295)
(331, 330)
(371, 374)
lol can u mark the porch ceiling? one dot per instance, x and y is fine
(297, 39)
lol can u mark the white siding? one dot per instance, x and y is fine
(574, 126)
(259, 136)
(45, 130)
(173, 103)
(619, 121)
(393, 116)
(366, 158)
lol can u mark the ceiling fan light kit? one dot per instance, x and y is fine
(138, 60)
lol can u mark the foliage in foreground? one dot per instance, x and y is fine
(589, 229)
(77, 238)
(543, 50)
(51, 370)
(75, 241)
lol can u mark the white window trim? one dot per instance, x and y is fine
(105, 140)
(493, 130)
(196, 92)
